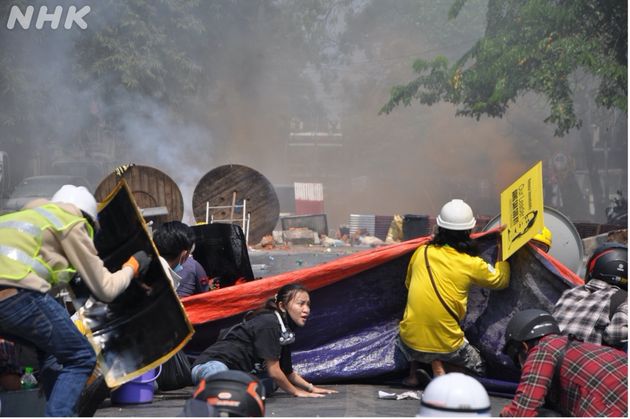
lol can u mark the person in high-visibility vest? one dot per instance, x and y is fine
(43, 246)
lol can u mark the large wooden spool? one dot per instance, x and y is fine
(150, 188)
(233, 183)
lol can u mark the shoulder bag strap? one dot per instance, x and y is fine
(426, 261)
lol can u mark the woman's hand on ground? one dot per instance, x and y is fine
(321, 390)
(304, 393)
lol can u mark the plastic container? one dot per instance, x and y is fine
(137, 391)
(28, 380)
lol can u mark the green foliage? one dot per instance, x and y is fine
(50, 78)
(144, 47)
(530, 46)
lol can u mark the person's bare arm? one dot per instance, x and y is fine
(275, 372)
(298, 381)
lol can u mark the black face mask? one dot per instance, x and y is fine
(513, 350)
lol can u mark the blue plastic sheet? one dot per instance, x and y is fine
(354, 322)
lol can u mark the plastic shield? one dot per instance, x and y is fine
(146, 324)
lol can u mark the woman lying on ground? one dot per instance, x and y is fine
(261, 344)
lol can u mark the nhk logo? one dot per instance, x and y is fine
(54, 18)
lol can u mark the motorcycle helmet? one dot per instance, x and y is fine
(232, 393)
(609, 263)
(454, 394)
(526, 325)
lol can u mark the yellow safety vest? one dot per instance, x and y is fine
(21, 240)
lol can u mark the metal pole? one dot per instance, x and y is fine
(244, 212)
(233, 204)
(247, 229)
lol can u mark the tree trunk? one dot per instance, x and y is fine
(586, 137)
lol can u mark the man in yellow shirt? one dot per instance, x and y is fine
(439, 277)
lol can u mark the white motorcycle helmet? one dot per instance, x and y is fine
(456, 215)
(454, 394)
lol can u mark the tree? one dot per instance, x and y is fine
(530, 46)
(145, 47)
(61, 89)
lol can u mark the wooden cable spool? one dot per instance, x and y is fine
(150, 188)
(228, 187)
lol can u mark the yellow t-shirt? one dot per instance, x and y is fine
(426, 325)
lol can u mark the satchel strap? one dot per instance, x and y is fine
(426, 261)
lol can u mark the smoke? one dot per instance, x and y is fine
(329, 64)
(182, 151)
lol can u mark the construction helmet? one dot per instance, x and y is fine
(544, 236)
(79, 196)
(609, 263)
(525, 325)
(454, 394)
(456, 215)
(232, 393)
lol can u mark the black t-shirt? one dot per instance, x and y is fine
(248, 344)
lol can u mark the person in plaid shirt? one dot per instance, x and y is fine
(597, 312)
(573, 377)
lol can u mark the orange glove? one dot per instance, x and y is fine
(139, 262)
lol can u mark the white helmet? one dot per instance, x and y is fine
(454, 394)
(456, 215)
(79, 196)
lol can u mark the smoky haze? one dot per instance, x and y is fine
(263, 70)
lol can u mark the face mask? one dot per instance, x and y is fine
(178, 268)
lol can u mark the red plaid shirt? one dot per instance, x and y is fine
(593, 380)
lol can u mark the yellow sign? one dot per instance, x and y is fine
(522, 210)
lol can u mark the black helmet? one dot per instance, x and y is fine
(609, 263)
(232, 393)
(525, 325)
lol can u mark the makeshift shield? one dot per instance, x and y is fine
(222, 251)
(146, 324)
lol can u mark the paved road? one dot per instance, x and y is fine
(359, 400)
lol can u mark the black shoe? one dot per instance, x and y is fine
(423, 380)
